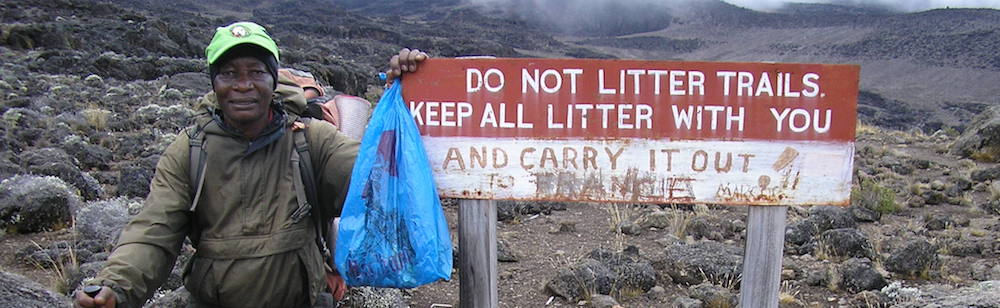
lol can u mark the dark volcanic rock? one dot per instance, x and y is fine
(629, 228)
(576, 282)
(970, 247)
(850, 243)
(940, 222)
(31, 203)
(915, 259)
(196, 82)
(864, 214)
(133, 181)
(982, 139)
(987, 174)
(710, 227)
(86, 271)
(992, 207)
(656, 219)
(56, 162)
(981, 295)
(632, 273)
(820, 219)
(49, 256)
(102, 221)
(18, 291)
(505, 253)
(700, 262)
(713, 295)
(604, 272)
(176, 298)
(859, 275)
(24, 126)
(89, 156)
(603, 301)
(511, 210)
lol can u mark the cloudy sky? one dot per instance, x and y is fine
(904, 5)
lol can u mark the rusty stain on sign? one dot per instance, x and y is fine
(786, 158)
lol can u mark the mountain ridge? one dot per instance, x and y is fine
(346, 42)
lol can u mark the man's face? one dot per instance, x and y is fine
(244, 89)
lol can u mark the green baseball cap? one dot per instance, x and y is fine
(239, 33)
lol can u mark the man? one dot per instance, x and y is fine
(252, 250)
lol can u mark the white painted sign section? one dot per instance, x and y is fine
(643, 170)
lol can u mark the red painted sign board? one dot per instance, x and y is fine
(637, 131)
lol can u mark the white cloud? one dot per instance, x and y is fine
(902, 5)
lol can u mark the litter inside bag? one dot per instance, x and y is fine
(392, 231)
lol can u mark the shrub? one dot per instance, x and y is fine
(871, 195)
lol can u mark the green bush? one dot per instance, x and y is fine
(871, 195)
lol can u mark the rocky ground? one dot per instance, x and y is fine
(92, 91)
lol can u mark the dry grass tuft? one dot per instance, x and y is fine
(97, 118)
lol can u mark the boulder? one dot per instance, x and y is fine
(31, 203)
(585, 278)
(89, 156)
(984, 270)
(970, 247)
(915, 259)
(937, 222)
(374, 298)
(981, 295)
(82, 273)
(655, 219)
(710, 227)
(820, 219)
(700, 262)
(992, 207)
(981, 140)
(864, 214)
(18, 291)
(505, 253)
(844, 243)
(51, 256)
(25, 126)
(56, 162)
(512, 210)
(133, 181)
(713, 295)
(686, 302)
(193, 82)
(604, 272)
(102, 221)
(8, 166)
(856, 275)
(871, 299)
(987, 174)
(172, 299)
(629, 228)
(632, 273)
(603, 301)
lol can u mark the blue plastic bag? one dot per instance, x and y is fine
(392, 230)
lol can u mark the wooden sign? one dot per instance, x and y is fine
(637, 131)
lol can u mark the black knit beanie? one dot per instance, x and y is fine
(246, 50)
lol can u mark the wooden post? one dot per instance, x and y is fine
(477, 253)
(762, 256)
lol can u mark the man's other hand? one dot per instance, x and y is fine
(104, 299)
(405, 62)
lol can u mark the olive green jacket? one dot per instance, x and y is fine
(250, 252)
